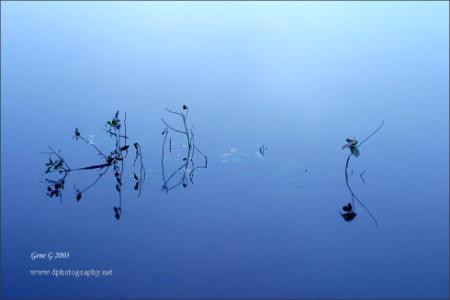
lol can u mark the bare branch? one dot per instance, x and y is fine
(188, 160)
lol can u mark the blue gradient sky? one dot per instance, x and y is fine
(298, 77)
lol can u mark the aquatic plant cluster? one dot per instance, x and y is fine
(57, 169)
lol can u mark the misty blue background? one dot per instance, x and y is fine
(297, 77)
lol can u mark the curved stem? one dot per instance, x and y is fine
(179, 131)
(354, 195)
(95, 181)
(372, 134)
(346, 179)
(91, 144)
(166, 132)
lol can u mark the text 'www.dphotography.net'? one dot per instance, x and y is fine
(87, 273)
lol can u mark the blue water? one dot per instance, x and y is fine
(297, 77)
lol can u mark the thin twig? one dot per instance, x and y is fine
(361, 175)
(95, 181)
(353, 194)
(346, 179)
(125, 133)
(165, 123)
(141, 177)
(92, 167)
(174, 112)
(189, 164)
(372, 134)
(59, 156)
(91, 144)
(163, 152)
